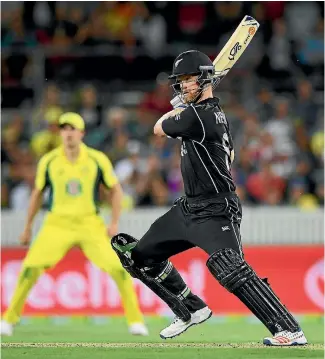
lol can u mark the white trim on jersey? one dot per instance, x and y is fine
(204, 165)
(200, 121)
(200, 143)
(226, 177)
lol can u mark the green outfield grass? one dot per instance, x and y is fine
(218, 338)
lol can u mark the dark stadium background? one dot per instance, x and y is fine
(109, 61)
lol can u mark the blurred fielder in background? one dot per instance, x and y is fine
(73, 173)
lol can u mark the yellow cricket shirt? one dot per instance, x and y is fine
(74, 187)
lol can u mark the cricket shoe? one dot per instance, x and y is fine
(286, 338)
(178, 326)
(138, 329)
(6, 328)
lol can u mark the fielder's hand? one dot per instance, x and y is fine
(25, 237)
(112, 230)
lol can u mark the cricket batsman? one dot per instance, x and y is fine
(73, 173)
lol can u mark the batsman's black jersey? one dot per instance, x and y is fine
(206, 148)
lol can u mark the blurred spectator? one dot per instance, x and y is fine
(118, 17)
(118, 149)
(243, 169)
(19, 197)
(4, 195)
(131, 169)
(41, 15)
(16, 35)
(221, 18)
(160, 147)
(116, 123)
(297, 189)
(317, 146)
(174, 178)
(282, 130)
(14, 132)
(18, 63)
(265, 186)
(191, 19)
(249, 136)
(62, 30)
(310, 49)
(13, 146)
(306, 108)
(151, 30)
(279, 144)
(156, 103)
(48, 139)
(301, 18)
(320, 189)
(49, 107)
(266, 149)
(299, 182)
(93, 32)
(274, 9)
(89, 107)
(152, 189)
(279, 51)
(264, 105)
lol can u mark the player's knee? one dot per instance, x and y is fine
(229, 268)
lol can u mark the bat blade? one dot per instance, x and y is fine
(234, 48)
(230, 53)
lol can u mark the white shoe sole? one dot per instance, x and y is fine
(194, 321)
(302, 341)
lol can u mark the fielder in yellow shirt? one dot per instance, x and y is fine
(73, 172)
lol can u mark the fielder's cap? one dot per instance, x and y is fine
(73, 119)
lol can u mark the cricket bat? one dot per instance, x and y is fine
(230, 53)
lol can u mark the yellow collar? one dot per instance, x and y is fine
(83, 154)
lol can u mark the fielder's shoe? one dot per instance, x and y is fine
(138, 329)
(178, 326)
(286, 338)
(6, 328)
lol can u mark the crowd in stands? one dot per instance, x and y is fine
(279, 135)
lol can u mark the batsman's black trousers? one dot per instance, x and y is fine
(209, 223)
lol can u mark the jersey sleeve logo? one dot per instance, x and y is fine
(220, 118)
(74, 187)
